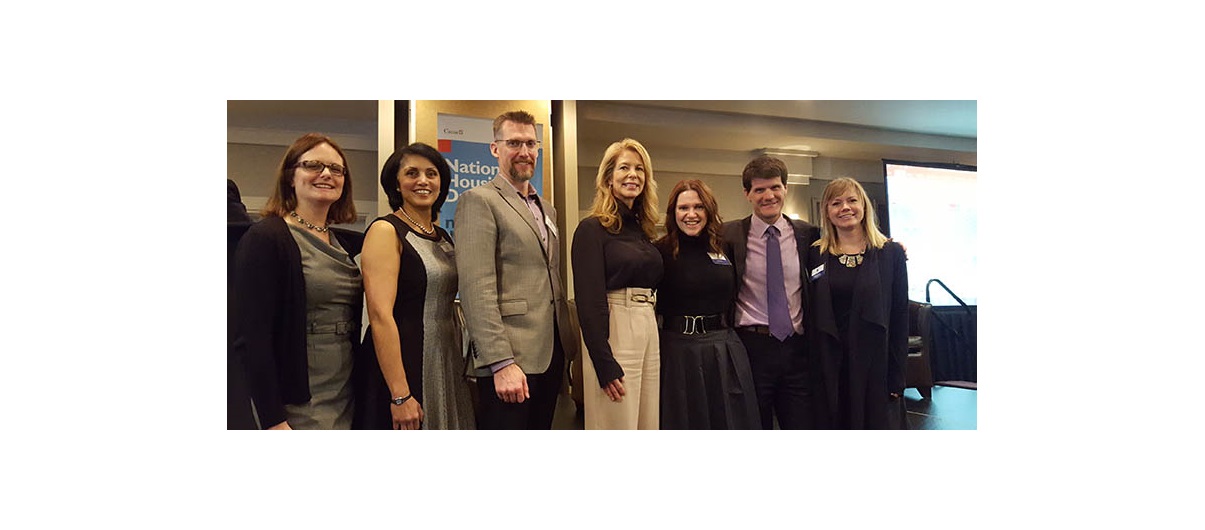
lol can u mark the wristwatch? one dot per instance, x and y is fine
(399, 401)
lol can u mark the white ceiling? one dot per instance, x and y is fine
(923, 131)
(944, 118)
(328, 117)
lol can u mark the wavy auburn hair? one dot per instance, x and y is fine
(714, 222)
(284, 197)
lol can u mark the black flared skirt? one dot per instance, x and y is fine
(706, 382)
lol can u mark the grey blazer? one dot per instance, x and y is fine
(510, 287)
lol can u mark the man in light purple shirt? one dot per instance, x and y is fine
(770, 327)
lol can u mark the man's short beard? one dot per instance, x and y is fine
(521, 178)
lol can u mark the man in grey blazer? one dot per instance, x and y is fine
(510, 289)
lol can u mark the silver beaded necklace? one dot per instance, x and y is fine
(307, 223)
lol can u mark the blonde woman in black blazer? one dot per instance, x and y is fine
(859, 314)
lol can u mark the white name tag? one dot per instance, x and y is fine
(447, 248)
(551, 226)
(818, 272)
(718, 258)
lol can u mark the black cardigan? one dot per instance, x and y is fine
(875, 347)
(270, 315)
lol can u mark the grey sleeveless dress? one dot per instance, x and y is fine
(332, 288)
(423, 310)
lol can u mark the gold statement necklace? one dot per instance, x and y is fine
(851, 260)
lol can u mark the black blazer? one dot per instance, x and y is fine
(877, 340)
(269, 316)
(736, 240)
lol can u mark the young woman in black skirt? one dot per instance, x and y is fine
(706, 382)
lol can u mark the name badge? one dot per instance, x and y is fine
(551, 226)
(447, 248)
(817, 272)
(718, 258)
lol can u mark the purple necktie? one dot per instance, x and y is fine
(776, 289)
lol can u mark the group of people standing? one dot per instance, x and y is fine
(742, 325)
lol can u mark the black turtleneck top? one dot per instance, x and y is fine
(603, 262)
(694, 284)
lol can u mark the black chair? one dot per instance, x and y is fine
(918, 371)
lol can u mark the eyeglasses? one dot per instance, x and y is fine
(531, 145)
(317, 167)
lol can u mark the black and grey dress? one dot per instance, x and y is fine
(424, 313)
(333, 289)
(706, 381)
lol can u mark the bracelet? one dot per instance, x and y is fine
(401, 400)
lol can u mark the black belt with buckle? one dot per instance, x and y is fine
(761, 330)
(692, 324)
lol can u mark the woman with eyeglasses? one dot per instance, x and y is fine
(858, 316)
(298, 293)
(706, 379)
(615, 270)
(410, 283)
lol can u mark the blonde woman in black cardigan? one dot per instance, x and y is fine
(858, 314)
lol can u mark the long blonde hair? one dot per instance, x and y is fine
(606, 209)
(828, 233)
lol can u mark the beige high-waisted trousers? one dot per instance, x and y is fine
(633, 340)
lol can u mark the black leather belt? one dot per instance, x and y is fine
(761, 330)
(692, 324)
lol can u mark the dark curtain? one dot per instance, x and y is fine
(953, 343)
